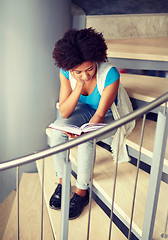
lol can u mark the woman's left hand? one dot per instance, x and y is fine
(71, 135)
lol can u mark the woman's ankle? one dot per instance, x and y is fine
(60, 181)
(80, 192)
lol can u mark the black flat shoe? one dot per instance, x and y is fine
(55, 200)
(77, 204)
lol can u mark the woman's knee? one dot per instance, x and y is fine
(57, 137)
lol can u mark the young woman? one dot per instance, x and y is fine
(89, 87)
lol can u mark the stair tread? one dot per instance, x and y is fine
(77, 227)
(5, 209)
(133, 140)
(103, 181)
(147, 48)
(145, 88)
(30, 211)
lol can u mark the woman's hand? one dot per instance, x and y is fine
(68, 98)
(71, 135)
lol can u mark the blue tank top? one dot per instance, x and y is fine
(94, 98)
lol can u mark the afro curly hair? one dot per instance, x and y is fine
(78, 46)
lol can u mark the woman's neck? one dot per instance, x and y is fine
(89, 86)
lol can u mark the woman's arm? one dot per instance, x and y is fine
(68, 99)
(107, 98)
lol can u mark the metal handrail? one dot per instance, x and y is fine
(85, 137)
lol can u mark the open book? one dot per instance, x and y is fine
(87, 127)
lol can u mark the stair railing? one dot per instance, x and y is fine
(155, 175)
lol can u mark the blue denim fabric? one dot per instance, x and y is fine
(82, 114)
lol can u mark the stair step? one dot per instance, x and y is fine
(137, 48)
(30, 211)
(5, 209)
(103, 183)
(133, 141)
(144, 88)
(77, 227)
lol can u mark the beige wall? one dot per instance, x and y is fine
(28, 77)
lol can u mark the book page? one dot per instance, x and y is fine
(66, 128)
(88, 127)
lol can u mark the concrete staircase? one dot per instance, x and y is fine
(104, 166)
(141, 89)
(30, 190)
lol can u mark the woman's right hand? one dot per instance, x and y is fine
(68, 98)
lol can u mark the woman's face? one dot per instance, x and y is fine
(84, 72)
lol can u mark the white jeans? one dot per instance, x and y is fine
(82, 114)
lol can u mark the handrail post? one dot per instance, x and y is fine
(137, 172)
(165, 235)
(155, 176)
(114, 186)
(42, 200)
(65, 198)
(91, 186)
(17, 191)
